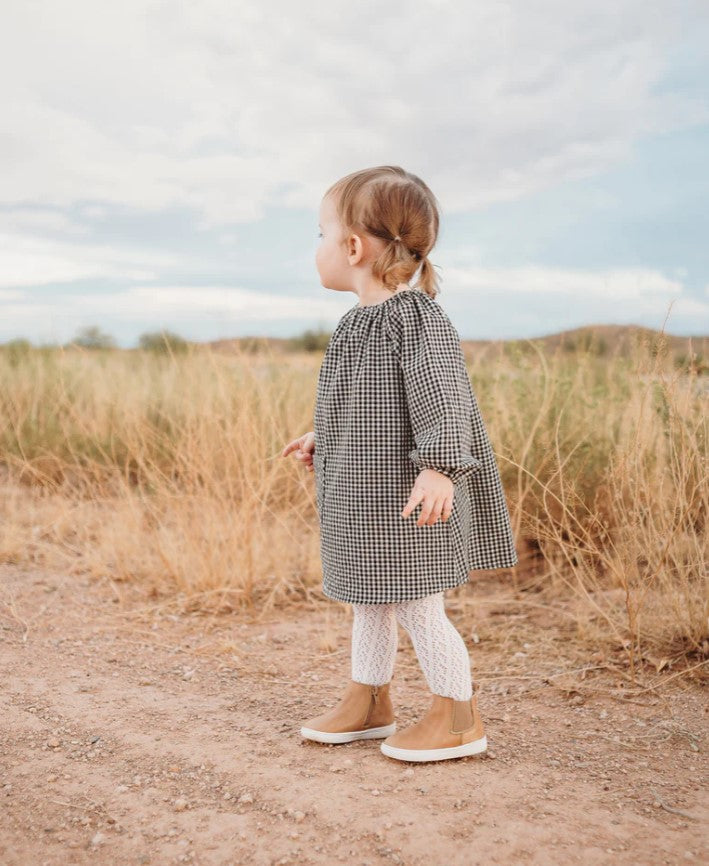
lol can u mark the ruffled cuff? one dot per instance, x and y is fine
(466, 467)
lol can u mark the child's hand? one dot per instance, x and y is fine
(303, 448)
(435, 493)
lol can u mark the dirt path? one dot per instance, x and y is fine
(165, 739)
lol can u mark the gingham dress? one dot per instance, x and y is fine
(394, 397)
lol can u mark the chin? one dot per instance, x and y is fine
(326, 284)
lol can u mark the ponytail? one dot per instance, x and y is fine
(397, 207)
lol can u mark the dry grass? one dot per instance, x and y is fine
(166, 472)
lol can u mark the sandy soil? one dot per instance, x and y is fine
(131, 735)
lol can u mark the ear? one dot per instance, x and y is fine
(355, 249)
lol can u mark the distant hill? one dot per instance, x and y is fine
(601, 339)
(622, 337)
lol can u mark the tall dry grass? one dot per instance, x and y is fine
(167, 471)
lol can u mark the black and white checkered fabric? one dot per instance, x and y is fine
(394, 397)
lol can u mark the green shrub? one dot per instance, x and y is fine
(163, 342)
(92, 337)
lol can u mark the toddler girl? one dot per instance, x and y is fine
(397, 426)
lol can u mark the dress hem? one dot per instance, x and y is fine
(335, 597)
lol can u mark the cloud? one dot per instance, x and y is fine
(231, 108)
(482, 303)
(614, 283)
(28, 260)
(513, 301)
(11, 295)
(188, 301)
(231, 306)
(148, 140)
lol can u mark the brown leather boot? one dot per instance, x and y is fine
(365, 712)
(450, 729)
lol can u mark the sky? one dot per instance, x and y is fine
(162, 164)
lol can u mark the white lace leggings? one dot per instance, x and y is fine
(439, 647)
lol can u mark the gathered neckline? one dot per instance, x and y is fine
(386, 300)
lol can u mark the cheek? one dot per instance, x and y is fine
(323, 254)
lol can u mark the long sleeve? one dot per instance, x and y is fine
(437, 389)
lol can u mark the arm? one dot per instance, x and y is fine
(437, 390)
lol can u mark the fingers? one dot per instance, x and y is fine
(291, 446)
(304, 457)
(306, 450)
(433, 508)
(303, 447)
(417, 495)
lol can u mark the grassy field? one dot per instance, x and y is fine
(164, 469)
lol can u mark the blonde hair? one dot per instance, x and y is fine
(385, 202)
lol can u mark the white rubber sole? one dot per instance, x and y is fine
(348, 736)
(473, 748)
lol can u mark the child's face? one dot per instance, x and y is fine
(341, 260)
(331, 257)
